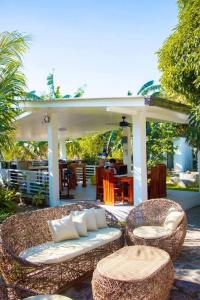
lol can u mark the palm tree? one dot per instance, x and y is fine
(50, 83)
(150, 88)
(55, 92)
(12, 81)
(32, 96)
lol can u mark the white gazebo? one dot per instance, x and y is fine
(57, 119)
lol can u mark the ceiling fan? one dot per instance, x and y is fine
(122, 123)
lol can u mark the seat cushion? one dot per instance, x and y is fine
(52, 253)
(148, 232)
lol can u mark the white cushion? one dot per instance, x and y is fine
(63, 229)
(52, 253)
(101, 218)
(80, 223)
(90, 218)
(148, 232)
(173, 218)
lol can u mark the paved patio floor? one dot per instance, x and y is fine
(187, 267)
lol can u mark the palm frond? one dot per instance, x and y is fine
(146, 85)
(12, 81)
(151, 89)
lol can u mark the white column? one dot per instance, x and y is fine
(63, 150)
(53, 160)
(127, 149)
(139, 159)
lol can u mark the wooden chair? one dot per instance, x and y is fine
(62, 167)
(127, 186)
(99, 172)
(111, 191)
(63, 181)
(81, 169)
(162, 187)
(157, 185)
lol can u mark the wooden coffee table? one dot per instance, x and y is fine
(135, 272)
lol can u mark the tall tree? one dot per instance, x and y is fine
(179, 57)
(12, 81)
(179, 62)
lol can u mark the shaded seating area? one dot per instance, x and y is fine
(117, 188)
(160, 223)
(112, 187)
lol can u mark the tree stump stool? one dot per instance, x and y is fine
(134, 272)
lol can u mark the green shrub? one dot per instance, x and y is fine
(7, 202)
(39, 199)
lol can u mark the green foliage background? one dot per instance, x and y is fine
(12, 82)
(179, 62)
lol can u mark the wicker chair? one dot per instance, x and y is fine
(11, 292)
(25, 230)
(153, 212)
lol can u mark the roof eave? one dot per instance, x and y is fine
(168, 104)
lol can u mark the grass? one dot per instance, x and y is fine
(180, 188)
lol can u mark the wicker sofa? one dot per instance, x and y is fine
(152, 213)
(28, 230)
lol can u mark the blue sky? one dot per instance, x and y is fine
(109, 45)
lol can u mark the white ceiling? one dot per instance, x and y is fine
(85, 116)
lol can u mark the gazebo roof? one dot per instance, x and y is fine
(81, 116)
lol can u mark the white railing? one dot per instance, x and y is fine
(27, 182)
(31, 182)
(90, 171)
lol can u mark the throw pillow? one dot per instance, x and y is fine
(91, 219)
(173, 219)
(101, 218)
(80, 222)
(63, 229)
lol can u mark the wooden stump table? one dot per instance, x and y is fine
(134, 272)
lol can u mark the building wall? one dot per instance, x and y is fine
(183, 156)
